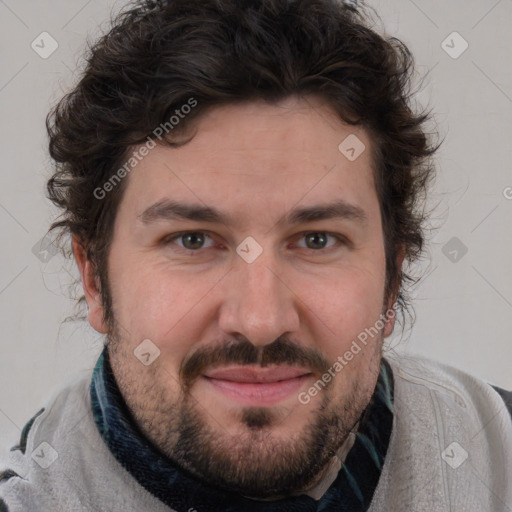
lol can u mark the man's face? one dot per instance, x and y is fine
(243, 336)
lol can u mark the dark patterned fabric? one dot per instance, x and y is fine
(22, 446)
(352, 490)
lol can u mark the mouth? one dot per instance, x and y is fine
(256, 386)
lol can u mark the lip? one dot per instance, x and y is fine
(253, 374)
(256, 386)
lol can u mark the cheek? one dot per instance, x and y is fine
(155, 300)
(344, 306)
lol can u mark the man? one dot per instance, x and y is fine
(242, 184)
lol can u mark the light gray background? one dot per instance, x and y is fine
(464, 308)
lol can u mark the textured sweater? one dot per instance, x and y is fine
(433, 438)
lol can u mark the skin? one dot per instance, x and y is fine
(255, 162)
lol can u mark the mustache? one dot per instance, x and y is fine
(243, 352)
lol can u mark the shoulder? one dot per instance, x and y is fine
(437, 376)
(24, 468)
(62, 463)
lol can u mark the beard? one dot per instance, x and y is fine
(255, 462)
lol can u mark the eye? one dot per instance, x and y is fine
(191, 240)
(317, 240)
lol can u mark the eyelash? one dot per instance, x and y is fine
(171, 238)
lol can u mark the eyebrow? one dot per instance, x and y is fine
(167, 210)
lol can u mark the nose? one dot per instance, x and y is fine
(258, 302)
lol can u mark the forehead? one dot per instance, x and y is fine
(271, 155)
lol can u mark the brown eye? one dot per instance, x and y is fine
(317, 240)
(190, 240)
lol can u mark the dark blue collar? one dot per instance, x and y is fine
(352, 490)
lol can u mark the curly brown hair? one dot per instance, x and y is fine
(159, 54)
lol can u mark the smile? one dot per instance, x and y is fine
(255, 387)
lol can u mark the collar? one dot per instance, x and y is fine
(347, 486)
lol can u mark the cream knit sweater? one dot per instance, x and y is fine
(450, 451)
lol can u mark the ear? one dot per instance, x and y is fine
(390, 323)
(90, 283)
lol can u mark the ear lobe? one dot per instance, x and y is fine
(400, 257)
(90, 284)
(390, 323)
